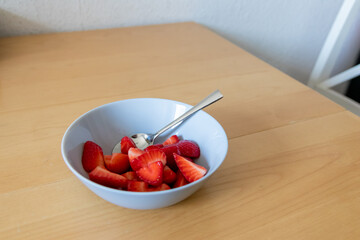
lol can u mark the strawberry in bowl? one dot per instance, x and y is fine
(151, 168)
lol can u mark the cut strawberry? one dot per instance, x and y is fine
(152, 147)
(169, 175)
(171, 140)
(180, 180)
(118, 162)
(137, 186)
(105, 177)
(162, 187)
(190, 170)
(188, 148)
(152, 173)
(92, 156)
(153, 169)
(134, 153)
(169, 151)
(130, 175)
(126, 144)
(147, 158)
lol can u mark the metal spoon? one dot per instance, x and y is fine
(143, 140)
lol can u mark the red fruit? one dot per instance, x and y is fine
(169, 175)
(92, 156)
(130, 175)
(180, 180)
(118, 162)
(152, 147)
(171, 140)
(162, 187)
(169, 151)
(134, 153)
(190, 170)
(126, 144)
(137, 186)
(105, 177)
(152, 173)
(188, 148)
(147, 158)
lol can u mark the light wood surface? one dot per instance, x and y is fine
(292, 170)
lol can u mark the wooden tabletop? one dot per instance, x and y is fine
(292, 169)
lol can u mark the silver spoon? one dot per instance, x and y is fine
(143, 140)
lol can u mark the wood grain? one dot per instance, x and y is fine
(292, 170)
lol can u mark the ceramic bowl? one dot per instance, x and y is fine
(107, 124)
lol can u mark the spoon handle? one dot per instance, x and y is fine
(213, 97)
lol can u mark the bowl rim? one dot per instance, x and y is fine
(118, 191)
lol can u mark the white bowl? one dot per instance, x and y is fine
(107, 124)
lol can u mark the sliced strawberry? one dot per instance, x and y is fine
(92, 156)
(162, 187)
(188, 148)
(180, 180)
(171, 140)
(190, 170)
(152, 173)
(130, 175)
(169, 151)
(169, 175)
(105, 177)
(152, 147)
(126, 144)
(134, 153)
(137, 186)
(118, 163)
(147, 158)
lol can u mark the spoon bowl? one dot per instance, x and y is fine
(141, 140)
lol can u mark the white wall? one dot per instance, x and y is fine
(286, 33)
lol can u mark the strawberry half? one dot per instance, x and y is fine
(147, 158)
(162, 187)
(130, 175)
(188, 148)
(117, 162)
(152, 147)
(180, 180)
(134, 153)
(105, 177)
(137, 186)
(190, 170)
(169, 151)
(126, 144)
(92, 156)
(152, 173)
(171, 140)
(169, 175)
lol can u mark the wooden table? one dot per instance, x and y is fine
(292, 170)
